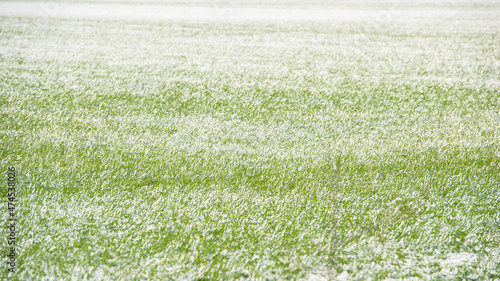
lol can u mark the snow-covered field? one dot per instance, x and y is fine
(260, 140)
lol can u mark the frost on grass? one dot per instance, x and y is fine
(252, 149)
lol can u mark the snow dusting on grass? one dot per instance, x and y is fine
(252, 141)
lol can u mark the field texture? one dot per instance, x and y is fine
(252, 140)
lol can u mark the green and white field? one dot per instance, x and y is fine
(255, 140)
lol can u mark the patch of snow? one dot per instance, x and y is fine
(344, 276)
(454, 259)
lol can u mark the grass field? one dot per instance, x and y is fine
(252, 141)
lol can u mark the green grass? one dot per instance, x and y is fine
(254, 150)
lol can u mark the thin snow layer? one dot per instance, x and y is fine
(454, 259)
(155, 12)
